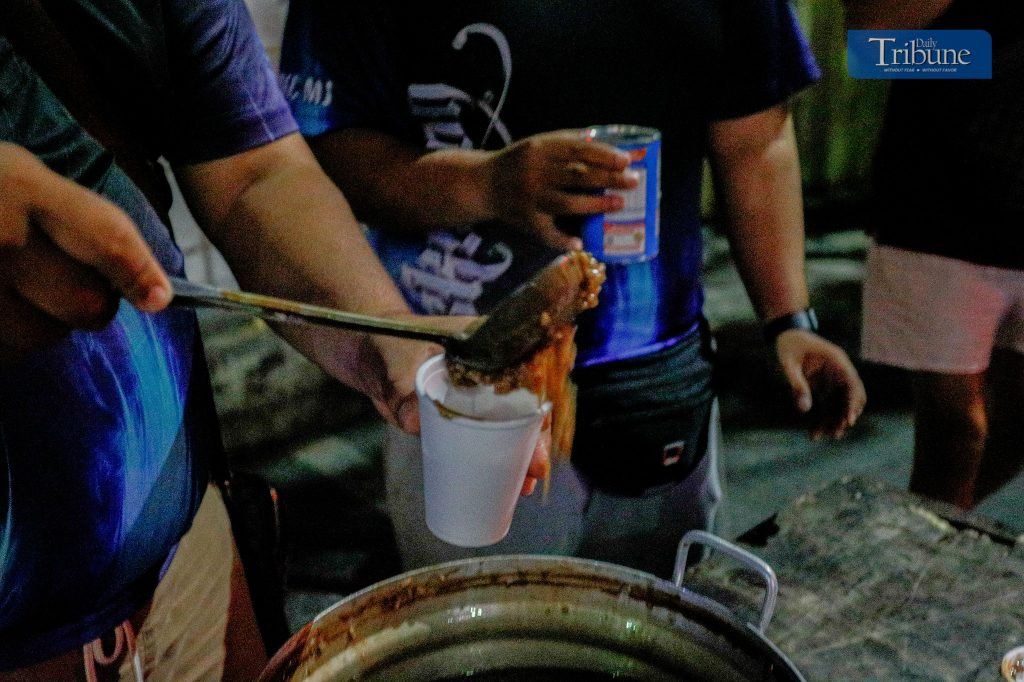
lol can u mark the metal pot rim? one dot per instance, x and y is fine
(451, 578)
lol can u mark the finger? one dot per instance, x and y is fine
(544, 228)
(832, 426)
(97, 233)
(400, 407)
(846, 422)
(24, 327)
(838, 415)
(580, 175)
(408, 414)
(13, 217)
(798, 384)
(540, 462)
(391, 413)
(529, 485)
(60, 287)
(822, 427)
(849, 397)
(572, 203)
(592, 153)
(857, 400)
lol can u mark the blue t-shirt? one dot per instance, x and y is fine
(526, 67)
(104, 438)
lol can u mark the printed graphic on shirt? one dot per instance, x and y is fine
(440, 107)
(448, 277)
(482, 74)
(308, 90)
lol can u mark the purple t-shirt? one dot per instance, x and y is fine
(484, 73)
(104, 438)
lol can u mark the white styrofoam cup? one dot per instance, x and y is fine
(473, 467)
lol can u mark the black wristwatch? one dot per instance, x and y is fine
(801, 319)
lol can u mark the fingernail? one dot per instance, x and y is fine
(575, 244)
(632, 175)
(157, 298)
(529, 487)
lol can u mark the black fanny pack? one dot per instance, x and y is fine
(643, 423)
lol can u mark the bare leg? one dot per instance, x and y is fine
(245, 656)
(950, 429)
(1004, 455)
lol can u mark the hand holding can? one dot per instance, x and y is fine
(629, 235)
(542, 185)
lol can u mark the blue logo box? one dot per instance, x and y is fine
(919, 54)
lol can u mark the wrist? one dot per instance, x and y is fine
(801, 319)
(484, 185)
(459, 185)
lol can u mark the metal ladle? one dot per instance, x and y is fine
(516, 327)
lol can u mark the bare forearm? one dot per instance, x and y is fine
(892, 14)
(290, 233)
(758, 178)
(287, 231)
(393, 185)
(758, 169)
(525, 186)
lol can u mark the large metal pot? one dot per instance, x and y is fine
(536, 618)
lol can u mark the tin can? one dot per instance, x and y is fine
(629, 235)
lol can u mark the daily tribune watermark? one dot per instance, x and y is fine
(919, 54)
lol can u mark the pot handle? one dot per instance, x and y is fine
(756, 564)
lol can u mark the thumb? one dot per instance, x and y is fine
(94, 231)
(798, 384)
(403, 413)
(540, 463)
(407, 414)
(544, 227)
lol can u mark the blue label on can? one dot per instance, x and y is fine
(629, 235)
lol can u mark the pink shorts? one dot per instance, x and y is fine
(936, 314)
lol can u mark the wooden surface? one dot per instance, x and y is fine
(875, 584)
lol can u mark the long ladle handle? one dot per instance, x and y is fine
(292, 312)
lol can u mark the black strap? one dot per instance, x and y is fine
(801, 319)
